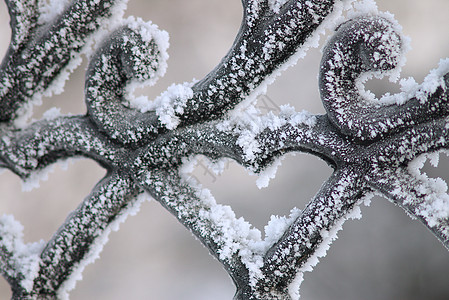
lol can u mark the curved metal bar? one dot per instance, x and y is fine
(369, 44)
(129, 54)
(37, 58)
(44, 142)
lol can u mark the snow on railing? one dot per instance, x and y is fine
(374, 147)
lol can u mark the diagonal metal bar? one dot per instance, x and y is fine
(421, 198)
(79, 240)
(314, 229)
(214, 225)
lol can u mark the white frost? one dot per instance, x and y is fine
(97, 246)
(269, 173)
(276, 5)
(277, 226)
(52, 113)
(26, 257)
(33, 180)
(328, 238)
(433, 202)
(170, 104)
(49, 9)
(149, 32)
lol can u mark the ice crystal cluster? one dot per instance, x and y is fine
(376, 146)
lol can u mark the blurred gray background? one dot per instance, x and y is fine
(385, 255)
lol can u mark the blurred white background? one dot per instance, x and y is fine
(385, 255)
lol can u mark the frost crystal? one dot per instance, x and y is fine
(171, 104)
